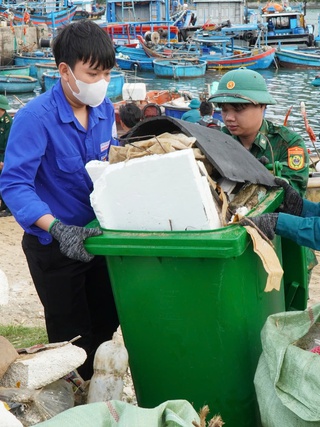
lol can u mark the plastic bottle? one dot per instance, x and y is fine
(110, 364)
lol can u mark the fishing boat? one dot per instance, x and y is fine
(42, 68)
(17, 70)
(53, 14)
(179, 68)
(116, 84)
(293, 57)
(219, 51)
(33, 58)
(129, 31)
(253, 59)
(49, 78)
(126, 63)
(131, 52)
(287, 27)
(17, 84)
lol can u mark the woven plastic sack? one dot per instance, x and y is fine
(287, 379)
(115, 413)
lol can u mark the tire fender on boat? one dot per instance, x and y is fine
(135, 66)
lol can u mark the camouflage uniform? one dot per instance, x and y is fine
(5, 126)
(278, 143)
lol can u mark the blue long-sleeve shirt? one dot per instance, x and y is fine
(45, 159)
(305, 229)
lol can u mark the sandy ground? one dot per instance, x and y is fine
(24, 306)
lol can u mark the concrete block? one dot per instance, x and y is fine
(39, 369)
(155, 193)
(8, 355)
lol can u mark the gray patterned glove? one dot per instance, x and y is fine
(266, 223)
(293, 202)
(71, 238)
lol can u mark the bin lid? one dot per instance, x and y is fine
(227, 156)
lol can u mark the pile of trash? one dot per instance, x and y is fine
(41, 381)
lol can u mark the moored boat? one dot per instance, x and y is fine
(126, 63)
(53, 14)
(298, 58)
(33, 58)
(253, 59)
(17, 84)
(43, 68)
(17, 70)
(179, 68)
(116, 84)
(287, 27)
(49, 78)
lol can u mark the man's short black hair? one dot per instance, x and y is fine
(206, 108)
(85, 41)
(130, 114)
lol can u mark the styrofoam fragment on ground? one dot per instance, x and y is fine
(4, 289)
(155, 193)
(39, 369)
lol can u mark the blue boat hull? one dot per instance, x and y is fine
(115, 85)
(49, 79)
(17, 84)
(179, 69)
(297, 59)
(32, 61)
(53, 19)
(135, 64)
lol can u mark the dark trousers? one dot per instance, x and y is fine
(76, 296)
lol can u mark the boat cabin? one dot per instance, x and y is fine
(287, 27)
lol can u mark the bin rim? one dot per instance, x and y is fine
(229, 241)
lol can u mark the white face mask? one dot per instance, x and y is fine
(91, 94)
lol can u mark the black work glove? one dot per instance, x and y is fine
(71, 238)
(264, 160)
(266, 223)
(293, 202)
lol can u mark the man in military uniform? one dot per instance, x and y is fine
(243, 96)
(5, 126)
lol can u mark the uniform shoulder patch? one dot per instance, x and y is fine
(296, 160)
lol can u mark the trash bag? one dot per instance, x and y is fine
(115, 413)
(34, 406)
(287, 380)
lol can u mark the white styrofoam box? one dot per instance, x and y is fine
(155, 193)
(134, 91)
(95, 168)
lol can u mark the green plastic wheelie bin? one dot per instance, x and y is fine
(191, 307)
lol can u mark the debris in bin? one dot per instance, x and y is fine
(216, 421)
(155, 193)
(269, 259)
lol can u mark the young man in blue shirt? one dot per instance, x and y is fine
(46, 186)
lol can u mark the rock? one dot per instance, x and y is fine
(8, 355)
